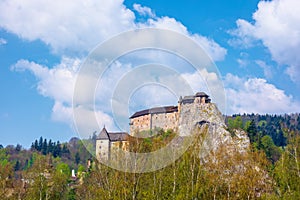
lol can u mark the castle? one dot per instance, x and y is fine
(167, 117)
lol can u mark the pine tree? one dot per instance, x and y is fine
(57, 149)
(252, 132)
(40, 145)
(17, 166)
(50, 147)
(36, 145)
(44, 147)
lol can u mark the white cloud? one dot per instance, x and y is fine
(242, 62)
(66, 25)
(78, 26)
(62, 113)
(243, 33)
(276, 24)
(2, 41)
(57, 82)
(73, 28)
(266, 68)
(143, 10)
(256, 95)
(214, 50)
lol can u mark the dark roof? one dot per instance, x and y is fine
(118, 136)
(187, 99)
(115, 136)
(165, 109)
(201, 94)
(190, 99)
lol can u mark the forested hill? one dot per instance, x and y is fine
(272, 125)
(270, 169)
(270, 133)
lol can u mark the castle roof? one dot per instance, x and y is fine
(118, 136)
(156, 110)
(190, 99)
(112, 136)
(201, 94)
(103, 134)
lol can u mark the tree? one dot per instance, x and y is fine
(77, 158)
(35, 145)
(272, 151)
(50, 147)
(57, 149)
(44, 147)
(65, 149)
(252, 132)
(64, 169)
(6, 172)
(40, 145)
(17, 166)
(238, 122)
(287, 168)
(18, 148)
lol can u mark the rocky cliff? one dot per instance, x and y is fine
(210, 123)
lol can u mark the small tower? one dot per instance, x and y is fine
(202, 98)
(103, 145)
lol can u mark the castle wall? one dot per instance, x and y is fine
(150, 121)
(183, 116)
(102, 149)
(120, 144)
(165, 120)
(105, 148)
(141, 123)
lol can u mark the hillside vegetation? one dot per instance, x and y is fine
(270, 169)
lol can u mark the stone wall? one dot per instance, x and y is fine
(102, 149)
(165, 120)
(141, 123)
(105, 148)
(151, 121)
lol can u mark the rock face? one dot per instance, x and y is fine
(207, 116)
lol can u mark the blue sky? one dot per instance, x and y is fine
(254, 44)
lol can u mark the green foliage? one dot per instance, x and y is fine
(287, 168)
(252, 131)
(186, 178)
(235, 123)
(272, 125)
(223, 175)
(272, 151)
(63, 168)
(48, 147)
(81, 168)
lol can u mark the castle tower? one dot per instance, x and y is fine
(103, 145)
